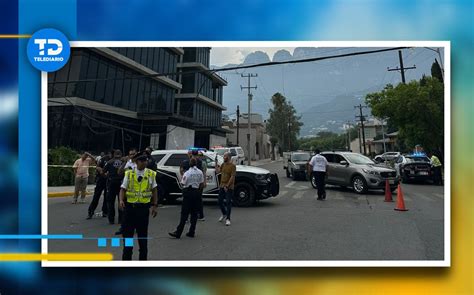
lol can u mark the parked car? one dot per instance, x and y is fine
(414, 167)
(296, 164)
(388, 156)
(237, 154)
(357, 171)
(251, 183)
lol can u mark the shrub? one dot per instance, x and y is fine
(62, 176)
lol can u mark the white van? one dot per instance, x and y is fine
(237, 153)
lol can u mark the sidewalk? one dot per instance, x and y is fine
(66, 191)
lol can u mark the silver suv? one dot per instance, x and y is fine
(296, 165)
(358, 172)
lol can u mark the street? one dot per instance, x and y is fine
(291, 226)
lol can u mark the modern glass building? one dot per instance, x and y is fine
(133, 97)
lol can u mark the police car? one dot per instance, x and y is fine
(251, 183)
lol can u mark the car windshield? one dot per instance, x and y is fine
(358, 159)
(417, 159)
(300, 157)
(220, 152)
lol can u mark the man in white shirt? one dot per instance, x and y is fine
(192, 181)
(318, 167)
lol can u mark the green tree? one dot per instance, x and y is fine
(417, 108)
(436, 71)
(284, 124)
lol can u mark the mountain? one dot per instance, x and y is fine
(324, 92)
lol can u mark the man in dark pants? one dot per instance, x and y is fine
(138, 192)
(151, 164)
(318, 167)
(200, 164)
(192, 181)
(114, 180)
(226, 189)
(100, 186)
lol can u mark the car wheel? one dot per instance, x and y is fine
(359, 185)
(244, 195)
(287, 173)
(313, 181)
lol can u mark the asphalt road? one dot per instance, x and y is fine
(291, 226)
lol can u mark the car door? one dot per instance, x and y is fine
(338, 171)
(173, 163)
(211, 177)
(330, 159)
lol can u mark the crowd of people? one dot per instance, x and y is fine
(131, 182)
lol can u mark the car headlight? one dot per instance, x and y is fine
(368, 171)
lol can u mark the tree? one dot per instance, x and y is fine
(436, 71)
(284, 124)
(417, 108)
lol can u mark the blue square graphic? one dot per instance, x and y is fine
(115, 242)
(102, 242)
(129, 242)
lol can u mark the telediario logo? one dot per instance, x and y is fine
(48, 50)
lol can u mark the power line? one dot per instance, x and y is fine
(240, 66)
(401, 69)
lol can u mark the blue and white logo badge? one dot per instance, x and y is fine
(48, 50)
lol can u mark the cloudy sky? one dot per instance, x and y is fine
(221, 56)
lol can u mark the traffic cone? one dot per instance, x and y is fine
(388, 192)
(400, 201)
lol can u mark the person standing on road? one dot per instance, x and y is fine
(318, 167)
(81, 172)
(100, 186)
(138, 199)
(128, 163)
(437, 177)
(200, 164)
(203, 168)
(151, 162)
(114, 179)
(192, 182)
(226, 188)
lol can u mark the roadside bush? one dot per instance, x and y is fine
(62, 176)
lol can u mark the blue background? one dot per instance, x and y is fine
(189, 20)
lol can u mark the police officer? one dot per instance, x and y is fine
(201, 165)
(192, 182)
(437, 177)
(100, 185)
(138, 198)
(151, 162)
(318, 167)
(114, 179)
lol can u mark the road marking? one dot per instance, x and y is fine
(167, 206)
(303, 187)
(290, 184)
(298, 195)
(440, 196)
(423, 197)
(281, 194)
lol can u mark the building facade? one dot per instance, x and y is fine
(127, 97)
(259, 139)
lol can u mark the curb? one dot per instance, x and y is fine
(65, 194)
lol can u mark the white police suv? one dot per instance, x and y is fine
(251, 183)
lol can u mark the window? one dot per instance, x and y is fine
(329, 157)
(158, 158)
(338, 159)
(176, 160)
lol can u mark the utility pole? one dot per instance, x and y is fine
(348, 131)
(362, 119)
(289, 135)
(249, 95)
(402, 69)
(238, 117)
(437, 50)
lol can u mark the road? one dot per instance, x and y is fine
(291, 226)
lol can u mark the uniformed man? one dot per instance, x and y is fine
(138, 198)
(192, 182)
(437, 177)
(318, 167)
(201, 165)
(151, 162)
(128, 163)
(100, 186)
(114, 179)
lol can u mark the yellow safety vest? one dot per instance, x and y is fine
(139, 192)
(435, 161)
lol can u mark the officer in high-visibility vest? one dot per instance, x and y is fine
(437, 177)
(138, 197)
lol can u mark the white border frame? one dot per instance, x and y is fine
(263, 263)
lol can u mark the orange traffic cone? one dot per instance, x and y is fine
(400, 201)
(388, 192)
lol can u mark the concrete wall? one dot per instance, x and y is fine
(215, 140)
(179, 138)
